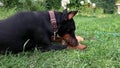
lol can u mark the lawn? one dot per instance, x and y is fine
(101, 34)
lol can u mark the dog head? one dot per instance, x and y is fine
(67, 28)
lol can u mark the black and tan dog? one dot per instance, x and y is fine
(37, 27)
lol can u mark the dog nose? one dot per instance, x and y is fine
(75, 42)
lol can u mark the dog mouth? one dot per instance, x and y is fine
(70, 41)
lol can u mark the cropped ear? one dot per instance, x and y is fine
(71, 14)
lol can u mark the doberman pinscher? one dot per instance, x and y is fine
(36, 28)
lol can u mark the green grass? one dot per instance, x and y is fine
(101, 34)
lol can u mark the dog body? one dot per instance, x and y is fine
(35, 26)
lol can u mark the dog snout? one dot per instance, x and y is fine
(70, 41)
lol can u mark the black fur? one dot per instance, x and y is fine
(35, 26)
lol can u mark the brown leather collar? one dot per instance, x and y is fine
(53, 22)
